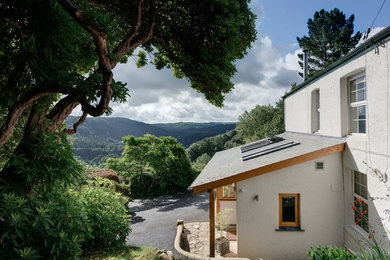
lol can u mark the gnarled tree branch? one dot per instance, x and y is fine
(76, 125)
(99, 37)
(17, 109)
(61, 111)
(124, 46)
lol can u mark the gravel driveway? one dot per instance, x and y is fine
(154, 220)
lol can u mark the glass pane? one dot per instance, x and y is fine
(353, 113)
(288, 209)
(363, 191)
(363, 179)
(352, 86)
(361, 111)
(356, 176)
(361, 95)
(362, 126)
(360, 84)
(357, 188)
(228, 191)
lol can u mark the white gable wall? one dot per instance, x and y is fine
(321, 210)
(372, 147)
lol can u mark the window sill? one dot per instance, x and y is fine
(290, 229)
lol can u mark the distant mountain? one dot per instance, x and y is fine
(100, 138)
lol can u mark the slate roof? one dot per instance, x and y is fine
(230, 163)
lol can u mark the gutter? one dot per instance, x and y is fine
(356, 53)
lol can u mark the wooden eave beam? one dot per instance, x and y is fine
(269, 168)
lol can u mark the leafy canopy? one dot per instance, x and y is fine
(154, 165)
(65, 51)
(330, 37)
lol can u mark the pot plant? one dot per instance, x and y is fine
(222, 223)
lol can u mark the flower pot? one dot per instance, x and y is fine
(222, 245)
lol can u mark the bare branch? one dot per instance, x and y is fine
(61, 111)
(76, 125)
(97, 3)
(135, 39)
(106, 94)
(17, 109)
(123, 47)
(99, 37)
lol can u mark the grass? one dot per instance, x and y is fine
(123, 253)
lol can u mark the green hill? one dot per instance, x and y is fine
(100, 138)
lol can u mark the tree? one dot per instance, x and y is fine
(330, 38)
(261, 121)
(56, 55)
(155, 165)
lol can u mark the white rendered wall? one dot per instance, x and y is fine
(321, 210)
(372, 148)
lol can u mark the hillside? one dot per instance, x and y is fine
(100, 138)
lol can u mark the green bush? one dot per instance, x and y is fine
(329, 253)
(47, 228)
(106, 212)
(63, 223)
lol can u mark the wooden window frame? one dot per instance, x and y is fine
(221, 198)
(297, 210)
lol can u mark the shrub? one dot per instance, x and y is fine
(106, 213)
(329, 253)
(36, 227)
(62, 223)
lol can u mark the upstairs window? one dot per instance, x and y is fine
(315, 114)
(357, 105)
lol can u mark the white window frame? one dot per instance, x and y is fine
(357, 104)
(355, 195)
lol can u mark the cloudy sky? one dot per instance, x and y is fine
(262, 77)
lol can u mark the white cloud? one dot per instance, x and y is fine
(262, 77)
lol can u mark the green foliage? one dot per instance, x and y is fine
(43, 164)
(53, 227)
(142, 61)
(222, 220)
(124, 253)
(62, 223)
(154, 165)
(211, 145)
(262, 121)
(330, 38)
(201, 162)
(98, 139)
(329, 253)
(375, 250)
(106, 213)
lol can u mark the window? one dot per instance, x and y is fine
(357, 105)
(318, 109)
(288, 210)
(360, 206)
(315, 115)
(229, 191)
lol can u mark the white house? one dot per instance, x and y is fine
(325, 181)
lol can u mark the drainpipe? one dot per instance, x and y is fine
(305, 67)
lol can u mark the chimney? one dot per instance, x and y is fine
(305, 65)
